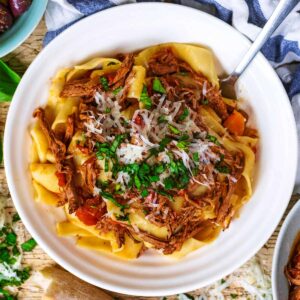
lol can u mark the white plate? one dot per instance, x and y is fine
(287, 235)
(127, 28)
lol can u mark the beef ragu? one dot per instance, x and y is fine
(292, 270)
(149, 155)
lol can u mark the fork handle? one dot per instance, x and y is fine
(283, 8)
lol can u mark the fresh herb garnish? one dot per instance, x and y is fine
(124, 218)
(106, 168)
(163, 193)
(104, 82)
(174, 129)
(117, 90)
(163, 143)
(223, 169)
(157, 86)
(11, 239)
(183, 145)
(145, 99)
(205, 101)
(169, 183)
(213, 139)
(144, 193)
(28, 245)
(184, 114)
(162, 119)
(107, 110)
(137, 182)
(16, 218)
(196, 157)
(111, 198)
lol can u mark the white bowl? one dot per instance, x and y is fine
(128, 28)
(286, 238)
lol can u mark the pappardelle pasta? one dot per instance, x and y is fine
(142, 151)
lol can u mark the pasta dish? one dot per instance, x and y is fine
(143, 152)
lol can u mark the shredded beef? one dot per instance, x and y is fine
(70, 193)
(70, 128)
(89, 171)
(85, 87)
(163, 62)
(121, 74)
(57, 147)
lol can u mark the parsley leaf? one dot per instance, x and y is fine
(28, 245)
(16, 218)
(157, 86)
(145, 99)
(117, 90)
(144, 193)
(11, 239)
(213, 139)
(111, 198)
(184, 114)
(104, 82)
(174, 129)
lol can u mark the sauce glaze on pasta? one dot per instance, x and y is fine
(143, 152)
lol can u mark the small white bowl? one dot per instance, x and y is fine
(286, 238)
(129, 28)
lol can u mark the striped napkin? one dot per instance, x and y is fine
(248, 16)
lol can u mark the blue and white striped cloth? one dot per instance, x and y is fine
(247, 16)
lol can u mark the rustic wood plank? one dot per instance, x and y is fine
(19, 60)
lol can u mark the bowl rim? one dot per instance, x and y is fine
(18, 37)
(69, 267)
(284, 228)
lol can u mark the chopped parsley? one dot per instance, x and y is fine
(164, 142)
(162, 119)
(104, 82)
(183, 145)
(16, 218)
(213, 139)
(174, 129)
(111, 198)
(223, 169)
(184, 114)
(124, 218)
(107, 110)
(157, 86)
(11, 239)
(164, 193)
(106, 166)
(196, 157)
(205, 101)
(28, 245)
(144, 193)
(117, 90)
(145, 99)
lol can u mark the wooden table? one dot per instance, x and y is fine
(19, 60)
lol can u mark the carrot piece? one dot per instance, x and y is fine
(235, 123)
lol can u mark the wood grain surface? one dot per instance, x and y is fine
(19, 60)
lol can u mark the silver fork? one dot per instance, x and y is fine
(283, 8)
